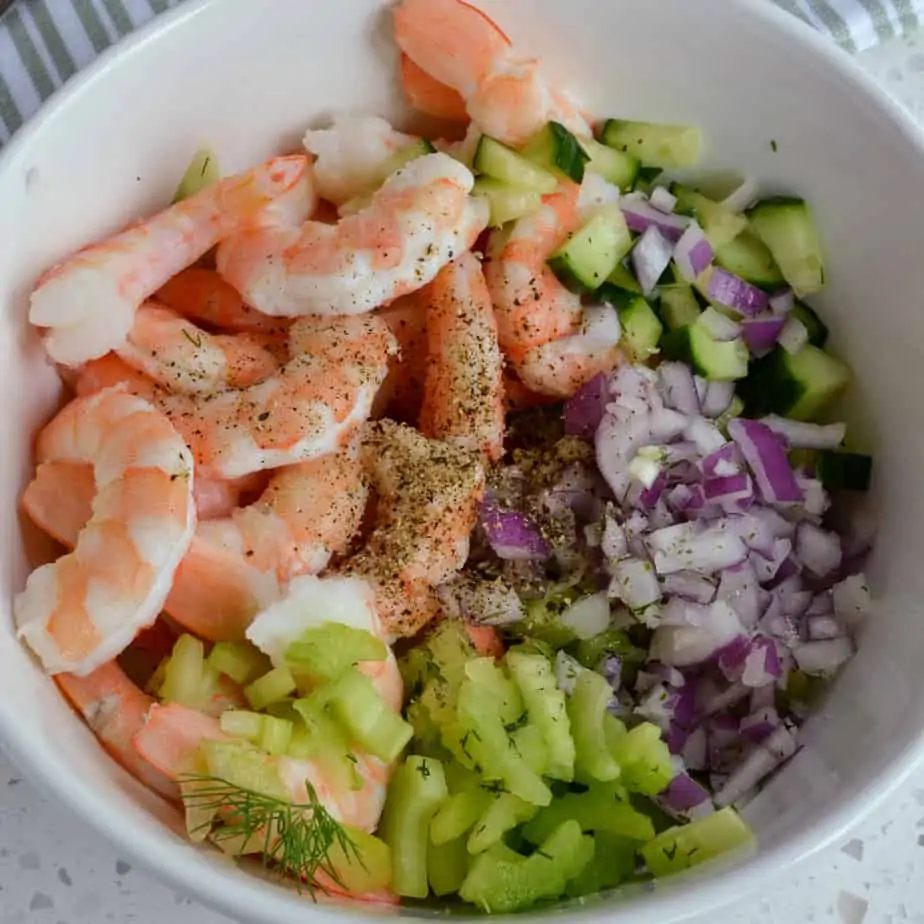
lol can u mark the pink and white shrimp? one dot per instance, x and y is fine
(402, 391)
(458, 46)
(85, 608)
(463, 399)
(429, 95)
(86, 304)
(420, 219)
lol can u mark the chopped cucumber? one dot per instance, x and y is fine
(357, 705)
(202, 172)
(713, 359)
(679, 306)
(614, 166)
(844, 471)
(620, 280)
(363, 867)
(800, 385)
(655, 145)
(402, 157)
(545, 706)
(644, 758)
(600, 808)
(748, 257)
(503, 814)
(587, 707)
(507, 202)
(720, 224)
(494, 159)
(324, 652)
(684, 846)
(500, 880)
(787, 227)
(591, 254)
(273, 686)
(817, 331)
(240, 661)
(555, 149)
(641, 329)
(275, 735)
(416, 791)
(646, 179)
(457, 814)
(447, 866)
(242, 724)
(543, 617)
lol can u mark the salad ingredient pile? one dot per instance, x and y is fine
(451, 519)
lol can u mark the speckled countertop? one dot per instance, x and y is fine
(54, 870)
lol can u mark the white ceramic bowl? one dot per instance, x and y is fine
(248, 76)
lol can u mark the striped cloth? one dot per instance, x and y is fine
(43, 42)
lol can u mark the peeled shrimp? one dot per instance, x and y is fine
(116, 710)
(201, 295)
(350, 155)
(428, 494)
(460, 47)
(463, 400)
(87, 303)
(237, 565)
(402, 391)
(186, 359)
(419, 220)
(429, 95)
(111, 370)
(85, 608)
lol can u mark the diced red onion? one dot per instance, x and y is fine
(678, 611)
(822, 605)
(739, 588)
(816, 500)
(694, 749)
(678, 388)
(720, 326)
(851, 599)
(488, 602)
(705, 434)
(767, 567)
(801, 435)
(684, 547)
(729, 488)
(794, 335)
(614, 544)
(688, 585)
(567, 672)
(781, 303)
(693, 253)
(765, 453)
(585, 410)
(762, 723)
(683, 794)
(512, 535)
(611, 668)
(663, 199)
(821, 627)
(733, 292)
(646, 469)
(635, 583)
(762, 665)
(763, 760)
(718, 399)
(684, 646)
(651, 255)
(762, 333)
(726, 460)
(763, 698)
(823, 657)
(588, 617)
(640, 215)
(684, 451)
(818, 550)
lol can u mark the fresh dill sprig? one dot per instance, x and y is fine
(295, 840)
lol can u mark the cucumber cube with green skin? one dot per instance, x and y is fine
(678, 307)
(713, 359)
(415, 793)
(641, 329)
(322, 653)
(506, 202)
(592, 253)
(620, 280)
(817, 330)
(748, 257)
(787, 226)
(655, 145)
(844, 471)
(555, 149)
(614, 166)
(447, 866)
(684, 846)
(720, 225)
(497, 160)
(587, 708)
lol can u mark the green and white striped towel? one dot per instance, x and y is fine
(43, 42)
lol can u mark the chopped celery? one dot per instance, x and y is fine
(684, 846)
(501, 881)
(366, 867)
(270, 688)
(503, 814)
(301, 746)
(323, 740)
(644, 758)
(545, 706)
(370, 722)
(598, 809)
(592, 651)
(275, 735)
(447, 865)
(324, 652)
(457, 814)
(416, 791)
(242, 724)
(613, 861)
(243, 766)
(240, 661)
(529, 742)
(187, 679)
(587, 710)
(203, 171)
(487, 675)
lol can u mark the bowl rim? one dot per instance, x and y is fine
(233, 893)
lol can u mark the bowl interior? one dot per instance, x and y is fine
(773, 101)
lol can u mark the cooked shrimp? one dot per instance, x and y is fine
(109, 371)
(419, 220)
(351, 155)
(402, 391)
(429, 95)
(184, 358)
(428, 494)
(517, 397)
(311, 407)
(116, 710)
(532, 306)
(463, 400)
(87, 303)
(201, 295)
(85, 608)
(217, 498)
(460, 47)
(239, 564)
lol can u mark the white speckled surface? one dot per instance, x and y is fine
(53, 870)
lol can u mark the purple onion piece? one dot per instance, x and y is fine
(640, 215)
(585, 410)
(765, 453)
(512, 535)
(733, 292)
(693, 253)
(761, 333)
(650, 257)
